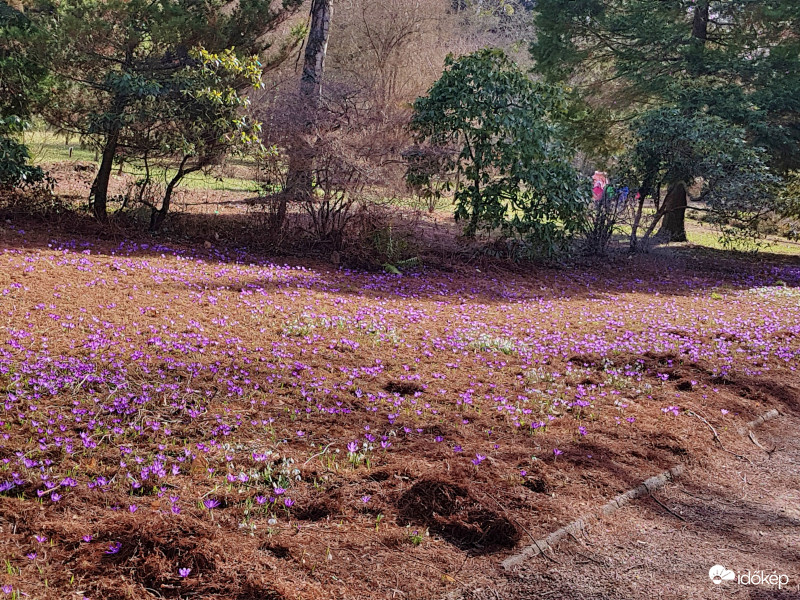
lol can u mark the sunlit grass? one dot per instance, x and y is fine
(703, 235)
(47, 147)
(700, 234)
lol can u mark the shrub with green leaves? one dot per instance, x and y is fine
(20, 83)
(14, 168)
(192, 120)
(510, 168)
(119, 67)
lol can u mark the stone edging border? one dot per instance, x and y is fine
(540, 546)
(646, 487)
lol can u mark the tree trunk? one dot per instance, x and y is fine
(673, 227)
(99, 190)
(157, 217)
(316, 48)
(674, 209)
(99, 193)
(301, 153)
(637, 219)
(644, 191)
(700, 21)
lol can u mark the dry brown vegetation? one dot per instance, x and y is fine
(208, 358)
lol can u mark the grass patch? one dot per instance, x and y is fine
(47, 147)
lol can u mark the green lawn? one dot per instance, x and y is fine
(47, 147)
(701, 234)
(704, 235)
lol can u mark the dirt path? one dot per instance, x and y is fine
(742, 515)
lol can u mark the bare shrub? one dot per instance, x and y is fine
(35, 200)
(380, 236)
(604, 216)
(340, 180)
(340, 147)
(430, 172)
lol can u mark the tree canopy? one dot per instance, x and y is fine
(112, 59)
(735, 61)
(21, 79)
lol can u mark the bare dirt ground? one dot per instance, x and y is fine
(180, 421)
(743, 514)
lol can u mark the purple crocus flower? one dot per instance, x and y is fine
(184, 572)
(210, 503)
(114, 548)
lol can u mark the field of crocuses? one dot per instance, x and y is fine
(187, 422)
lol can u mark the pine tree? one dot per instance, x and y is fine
(739, 61)
(110, 57)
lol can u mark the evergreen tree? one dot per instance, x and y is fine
(739, 61)
(110, 58)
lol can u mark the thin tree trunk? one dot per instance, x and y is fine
(637, 219)
(644, 191)
(700, 22)
(99, 192)
(301, 153)
(476, 201)
(157, 217)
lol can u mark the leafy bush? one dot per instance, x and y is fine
(155, 81)
(14, 168)
(511, 171)
(14, 156)
(194, 120)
